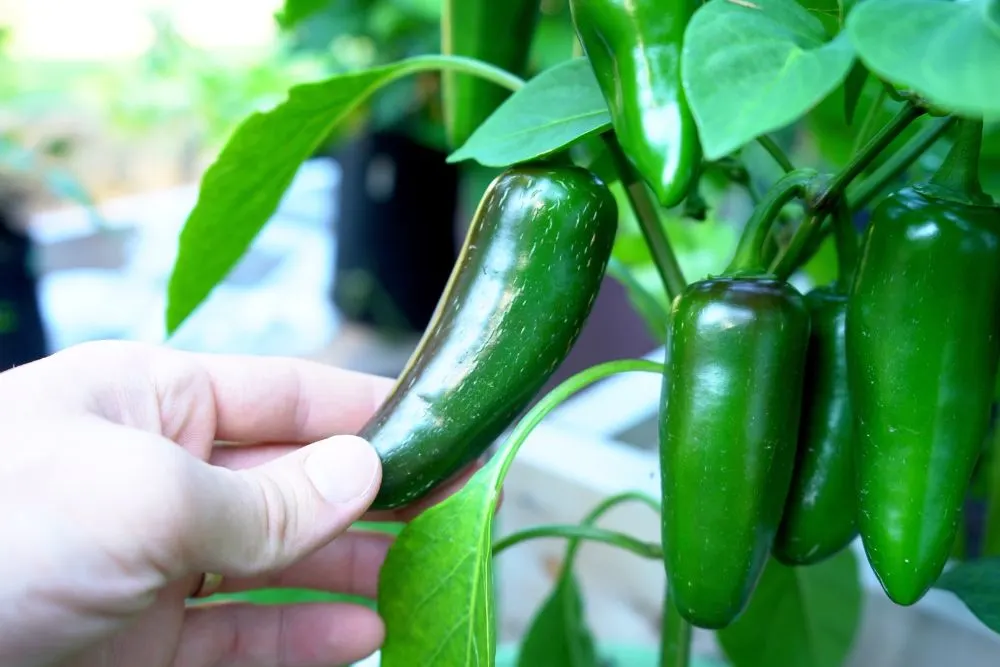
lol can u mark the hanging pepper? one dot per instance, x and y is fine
(819, 518)
(519, 295)
(634, 48)
(498, 32)
(923, 343)
(728, 425)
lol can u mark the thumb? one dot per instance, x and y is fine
(265, 518)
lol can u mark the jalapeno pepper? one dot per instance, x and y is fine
(731, 403)
(923, 343)
(634, 48)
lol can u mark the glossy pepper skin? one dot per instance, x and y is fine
(498, 32)
(634, 48)
(520, 293)
(820, 511)
(735, 359)
(923, 338)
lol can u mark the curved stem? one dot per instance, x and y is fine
(462, 64)
(551, 401)
(847, 244)
(900, 161)
(601, 509)
(827, 202)
(788, 261)
(774, 150)
(647, 214)
(580, 532)
(748, 256)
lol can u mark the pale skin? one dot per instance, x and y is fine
(116, 495)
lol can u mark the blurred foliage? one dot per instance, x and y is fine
(213, 91)
(353, 34)
(194, 96)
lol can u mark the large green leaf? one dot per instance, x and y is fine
(949, 52)
(553, 110)
(798, 616)
(752, 70)
(559, 636)
(243, 187)
(436, 585)
(977, 584)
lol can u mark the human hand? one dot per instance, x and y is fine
(115, 497)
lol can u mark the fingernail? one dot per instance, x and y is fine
(343, 468)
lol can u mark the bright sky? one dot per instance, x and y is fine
(100, 29)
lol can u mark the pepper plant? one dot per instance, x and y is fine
(792, 422)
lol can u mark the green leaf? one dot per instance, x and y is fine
(558, 635)
(977, 584)
(554, 109)
(948, 52)
(243, 187)
(439, 571)
(798, 616)
(436, 585)
(748, 71)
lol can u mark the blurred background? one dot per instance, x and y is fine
(109, 114)
(111, 110)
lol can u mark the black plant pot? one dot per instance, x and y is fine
(396, 240)
(22, 332)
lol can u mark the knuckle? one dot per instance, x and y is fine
(278, 525)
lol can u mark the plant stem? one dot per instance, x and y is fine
(675, 637)
(826, 203)
(748, 255)
(774, 150)
(581, 532)
(601, 509)
(991, 529)
(847, 244)
(860, 161)
(862, 195)
(959, 173)
(462, 64)
(647, 214)
(869, 120)
(554, 398)
(788, 261)
(900, 161)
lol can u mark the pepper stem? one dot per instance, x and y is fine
(899, 162)
(675, 636)
(959, 173)
(749, 256)
(846, 238)
(646, 211)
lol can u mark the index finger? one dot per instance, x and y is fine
(194, 397)
(281, 399)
